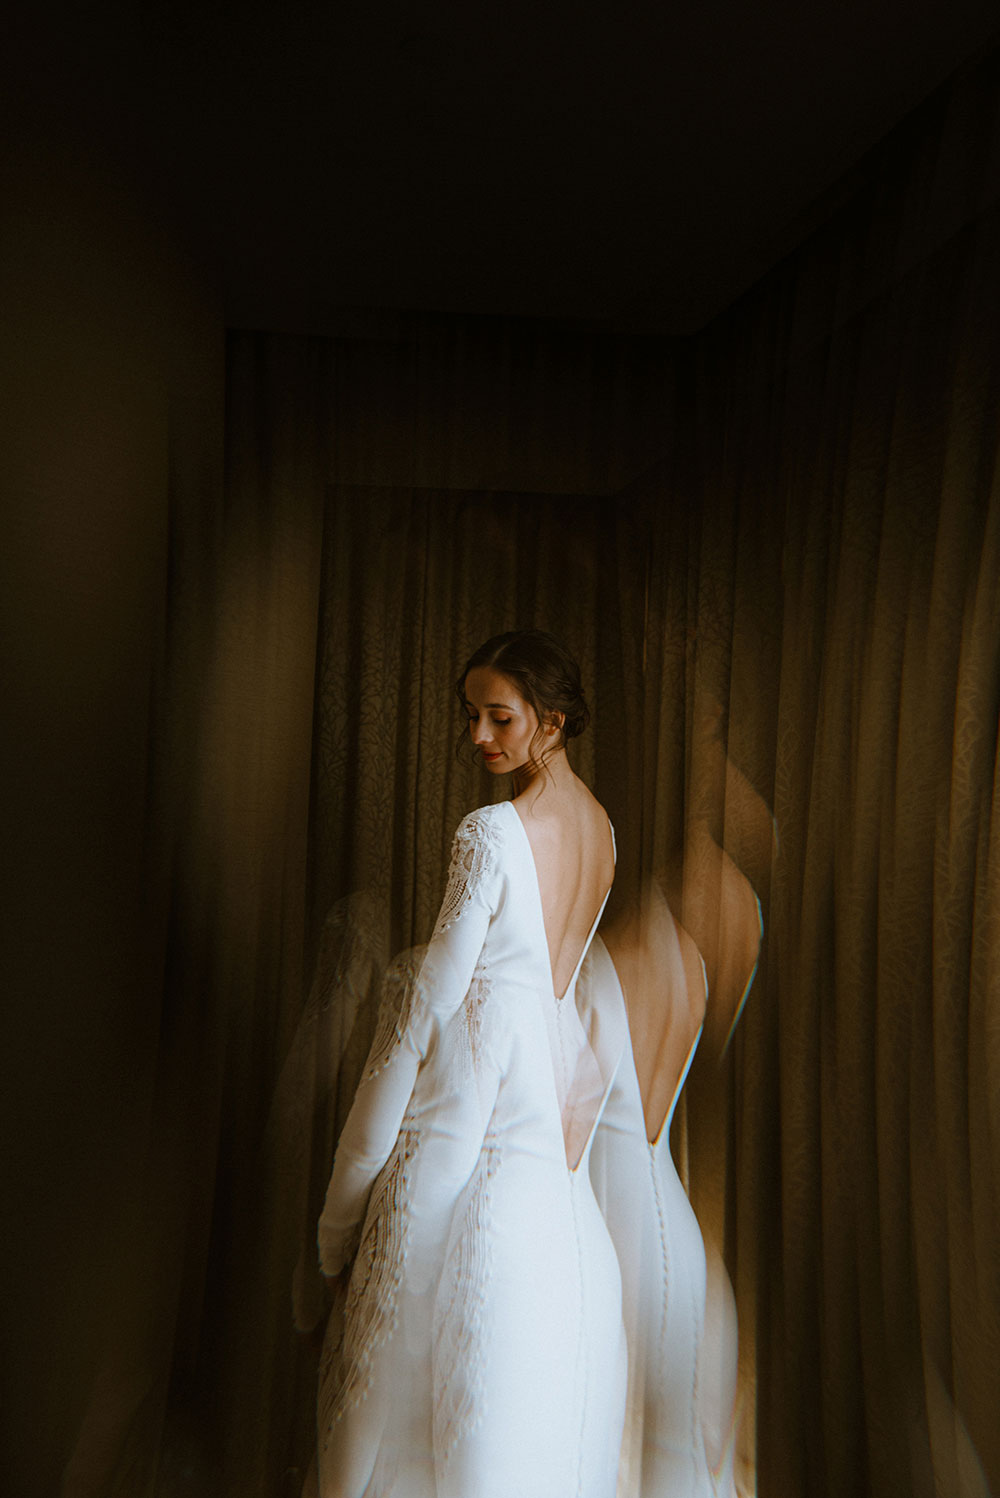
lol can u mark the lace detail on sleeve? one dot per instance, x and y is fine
(474, 1014)
(370, 1312)
(473, 859)
(461, 1336)
(395, 1009)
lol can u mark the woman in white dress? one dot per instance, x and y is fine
(480, 1352)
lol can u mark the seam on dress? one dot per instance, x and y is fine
(664, 1247)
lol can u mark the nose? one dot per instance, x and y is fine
(480, 732)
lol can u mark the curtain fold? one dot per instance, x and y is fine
(776, 550)
(848, 410)
(348, 594)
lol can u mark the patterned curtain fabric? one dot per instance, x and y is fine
(363, 562)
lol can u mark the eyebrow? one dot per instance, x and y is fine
(505, 706)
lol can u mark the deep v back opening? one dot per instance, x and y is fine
(541, 909)
(668, 1117)
(585, 1111)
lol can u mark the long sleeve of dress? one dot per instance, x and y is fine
(420, 995)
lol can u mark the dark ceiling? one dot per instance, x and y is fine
(640, 164)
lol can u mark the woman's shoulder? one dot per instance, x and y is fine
(573, 809)
(481, 837)
(476, 861)
(486, 823)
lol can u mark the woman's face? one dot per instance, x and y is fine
(501, 724)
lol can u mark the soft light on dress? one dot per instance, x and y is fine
(480, 1352)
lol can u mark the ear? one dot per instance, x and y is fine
(555, 721)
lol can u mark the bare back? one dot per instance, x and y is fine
(662, 978)
(571, 842)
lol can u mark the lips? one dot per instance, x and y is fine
(495, 755)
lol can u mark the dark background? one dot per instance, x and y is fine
(611, 210)
(642, 166)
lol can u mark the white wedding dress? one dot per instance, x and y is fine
(481, 1350)
(661, 1253)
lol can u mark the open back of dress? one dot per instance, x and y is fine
(580, 1080)
(483, 1347)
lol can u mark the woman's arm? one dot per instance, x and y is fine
(419, 997)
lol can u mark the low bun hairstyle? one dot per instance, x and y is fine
(542, 670)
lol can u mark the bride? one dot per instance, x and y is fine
(476, 1347)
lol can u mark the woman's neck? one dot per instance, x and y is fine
(530, 780)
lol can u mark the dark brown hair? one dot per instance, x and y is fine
(544, 673)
